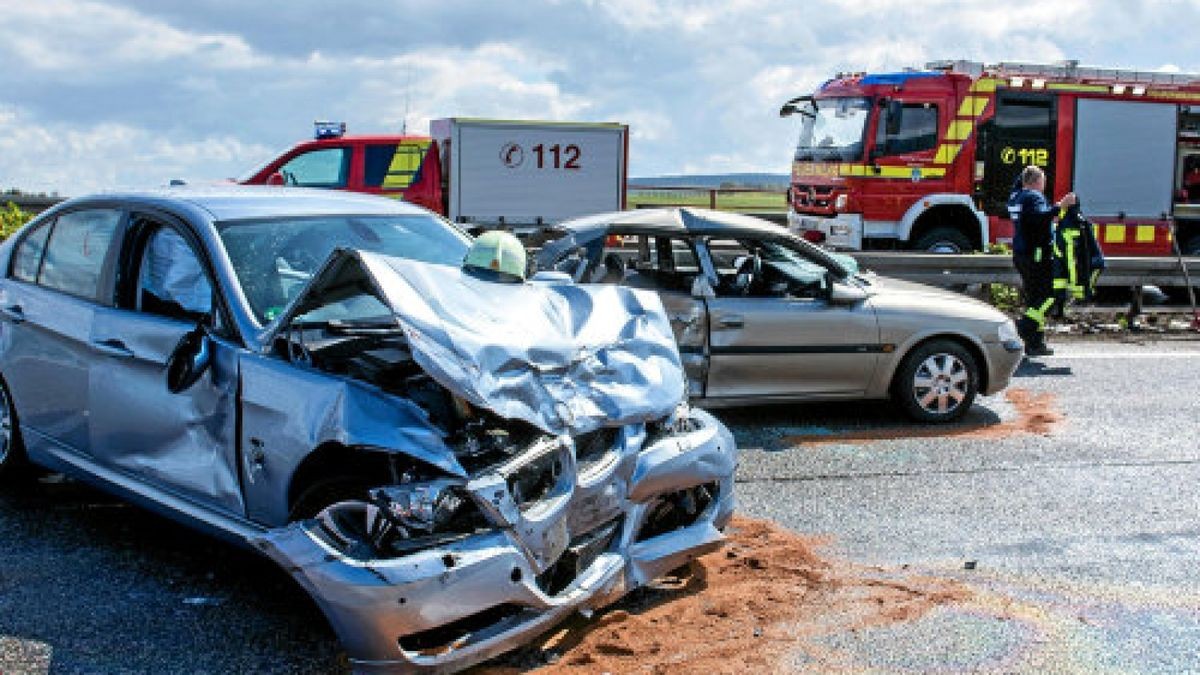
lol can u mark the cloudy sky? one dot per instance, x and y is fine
(122, 93)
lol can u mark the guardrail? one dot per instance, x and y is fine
(960, 269)
(752, 201)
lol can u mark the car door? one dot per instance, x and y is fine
(49, 302)
(669, 265)
(766, 341)
(185, 442)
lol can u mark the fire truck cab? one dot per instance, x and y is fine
(926, 159)
(400, 166)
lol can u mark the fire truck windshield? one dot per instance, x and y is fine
(834, 130)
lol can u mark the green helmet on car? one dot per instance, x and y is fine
(499, 253)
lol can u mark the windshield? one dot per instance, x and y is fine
(792, 264)
(274, 258)
(834, 130)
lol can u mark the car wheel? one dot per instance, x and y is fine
(937, 382)
(12, 450)
(317, 497)
(943, 240)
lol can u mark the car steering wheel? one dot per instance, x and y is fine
(749, 273)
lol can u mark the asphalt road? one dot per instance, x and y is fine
(1082, 542)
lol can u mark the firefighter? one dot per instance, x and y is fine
(1033, 220)
(1078, 258)
(498, 256)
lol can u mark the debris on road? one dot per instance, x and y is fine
(754, 606)
(1036, 413)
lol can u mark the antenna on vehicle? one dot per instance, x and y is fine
(407, 99)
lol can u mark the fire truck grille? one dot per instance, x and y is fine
(818, 196)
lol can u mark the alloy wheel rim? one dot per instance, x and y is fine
(940, 384)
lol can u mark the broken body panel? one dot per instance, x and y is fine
(564, 520)
(518, 451)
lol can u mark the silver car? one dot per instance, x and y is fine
(762, 316)
(448, 461)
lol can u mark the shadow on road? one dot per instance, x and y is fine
(97, 585)
(1029, 368)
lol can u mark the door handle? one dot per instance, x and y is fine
(113, 347)
(13, 313)
(731, 321)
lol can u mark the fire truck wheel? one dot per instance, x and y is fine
(936, 382)
(943, 240)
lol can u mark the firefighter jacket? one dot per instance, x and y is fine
(1078, 259)
(1032, 218)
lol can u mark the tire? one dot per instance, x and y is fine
(943, 240)
(314, 498)
(12, 450)
(936, 382)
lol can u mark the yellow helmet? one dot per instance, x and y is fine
(498, 252)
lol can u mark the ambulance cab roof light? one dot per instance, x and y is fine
(325, 129)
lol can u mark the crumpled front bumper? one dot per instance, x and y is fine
(454, 605)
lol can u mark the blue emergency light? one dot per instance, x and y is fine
(322, 129)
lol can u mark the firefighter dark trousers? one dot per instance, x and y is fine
(1037, 286)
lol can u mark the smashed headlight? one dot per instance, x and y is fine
(418, 508)
(398, 519)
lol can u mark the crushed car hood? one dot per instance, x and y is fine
(566, 358)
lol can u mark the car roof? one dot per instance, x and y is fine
(674, 220)
(236, 202)
(671, 221)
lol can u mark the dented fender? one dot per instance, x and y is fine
(470, 598)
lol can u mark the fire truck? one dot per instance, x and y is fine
(926, 159)
(513, 174)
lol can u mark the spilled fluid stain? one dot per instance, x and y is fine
(1036, 413)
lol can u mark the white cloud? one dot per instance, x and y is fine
(134, 91)
(54, 158)
(91, 37)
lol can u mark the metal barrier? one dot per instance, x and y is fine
(961, 269)
(751, 201)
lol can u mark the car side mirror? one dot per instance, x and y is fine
(276, 178)
(191, 357)
(701, 288)
(842, 293)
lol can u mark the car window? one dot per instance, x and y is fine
(393, 166)
(76, 251)
(662, 263)
(28, 256)
(765, 268)
(327, 168)
(171, 281)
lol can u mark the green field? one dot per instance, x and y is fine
(758, 200)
